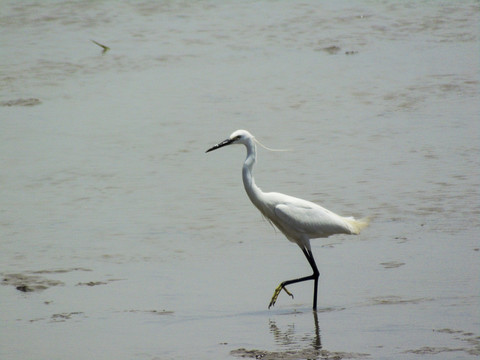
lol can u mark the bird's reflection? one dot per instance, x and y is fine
(296, 344)
(289, 338)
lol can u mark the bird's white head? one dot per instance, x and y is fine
(238, 137)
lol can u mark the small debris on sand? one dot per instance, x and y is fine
(296, 354)
(29, 283)
(21, 102)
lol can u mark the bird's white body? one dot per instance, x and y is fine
(299, 220)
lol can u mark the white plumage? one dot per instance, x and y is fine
(299, 220)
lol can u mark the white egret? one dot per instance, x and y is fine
(299, 220)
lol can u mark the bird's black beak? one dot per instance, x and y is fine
(219, 145)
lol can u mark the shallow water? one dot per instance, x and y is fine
(122, 239)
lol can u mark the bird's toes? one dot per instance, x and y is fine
(275, 295)
(288, 292)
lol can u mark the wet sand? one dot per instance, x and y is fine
(120, 238)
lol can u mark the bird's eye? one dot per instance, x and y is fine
(238, 137)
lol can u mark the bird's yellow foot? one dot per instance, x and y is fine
(277, 292)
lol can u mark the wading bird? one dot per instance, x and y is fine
(299, 220)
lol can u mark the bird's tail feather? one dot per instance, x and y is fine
(357, 225)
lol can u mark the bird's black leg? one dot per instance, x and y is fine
(314, 277)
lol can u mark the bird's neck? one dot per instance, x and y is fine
(253, 191)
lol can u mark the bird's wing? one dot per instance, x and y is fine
(311, 220)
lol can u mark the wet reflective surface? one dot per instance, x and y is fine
(120, 238)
